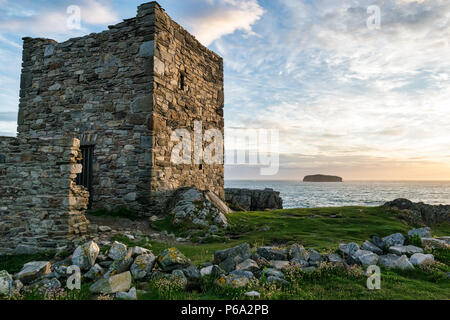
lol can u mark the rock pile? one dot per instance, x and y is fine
(115, 271)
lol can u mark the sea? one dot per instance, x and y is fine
(297, 194)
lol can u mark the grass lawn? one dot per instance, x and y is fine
(319, 228)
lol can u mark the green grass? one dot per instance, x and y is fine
(319, 228)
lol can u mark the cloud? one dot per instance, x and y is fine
(52, 20)
(216, 18)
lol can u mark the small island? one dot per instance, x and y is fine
(322, 178)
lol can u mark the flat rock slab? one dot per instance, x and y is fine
(33, 270)
(401, 250)
(117, 283)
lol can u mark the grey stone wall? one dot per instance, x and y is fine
(179, 55)
(119, 90)
(40, 203)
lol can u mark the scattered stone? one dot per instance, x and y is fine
(298, 252)
(396, 239)
(33, 270)
(214, 271)
(172, 259)
(117, 251)
(279, 265)
(179, 275)
(434, 243)
(130, 295)
(113, 284)
(248, 265)
(95, 272)
(6, 283)
(229, 258)
(421, 232)
(120, 265)
(378, 242)
(273, 253)
(277, 281)
(315, 258)
(388, 260)
(192, 273)
(403, 263)
(104, 229)
(334, 258)
(302, 263)
(236, 279)
(269, 272)
(419, 259)
(369, 246)
(85, 255)
(142, 266)
(401, 250)
(138, 251)
(349, 249)
(366, 258)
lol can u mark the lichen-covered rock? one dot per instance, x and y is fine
(120, 265)
(204, 209)
(137, 251)
(273, 253)
(401, 250)
(117, 251)
(419, 259)
(117, 283)
(236, 279)
(396, 239)
(6, 283)
(33, 270)
(229, 258)
(421, 232)
(142, 266)
(85, 255)
(172, 259)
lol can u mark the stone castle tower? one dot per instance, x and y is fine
(114, 98)
(122, 93)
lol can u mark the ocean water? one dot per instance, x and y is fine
(351, 193)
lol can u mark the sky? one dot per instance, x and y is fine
(346, 99)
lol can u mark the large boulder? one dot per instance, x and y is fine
(172, 259)
(6, 283)
(396, 239)
(403, 263)
(142, 266)
(253, 200)
(33, 270)
(120, 265)
(419, 259)
(421, 232)
(392, 261)
(204, 209)
(408, 250)
(117, 283)
(273, 253)
(228, 259)
(248, 265)
(85, 255)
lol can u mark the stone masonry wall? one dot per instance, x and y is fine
(178, 54)
(40, 204)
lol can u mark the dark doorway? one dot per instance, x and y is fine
(85, 177)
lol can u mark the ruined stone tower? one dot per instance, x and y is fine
(121, 93)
